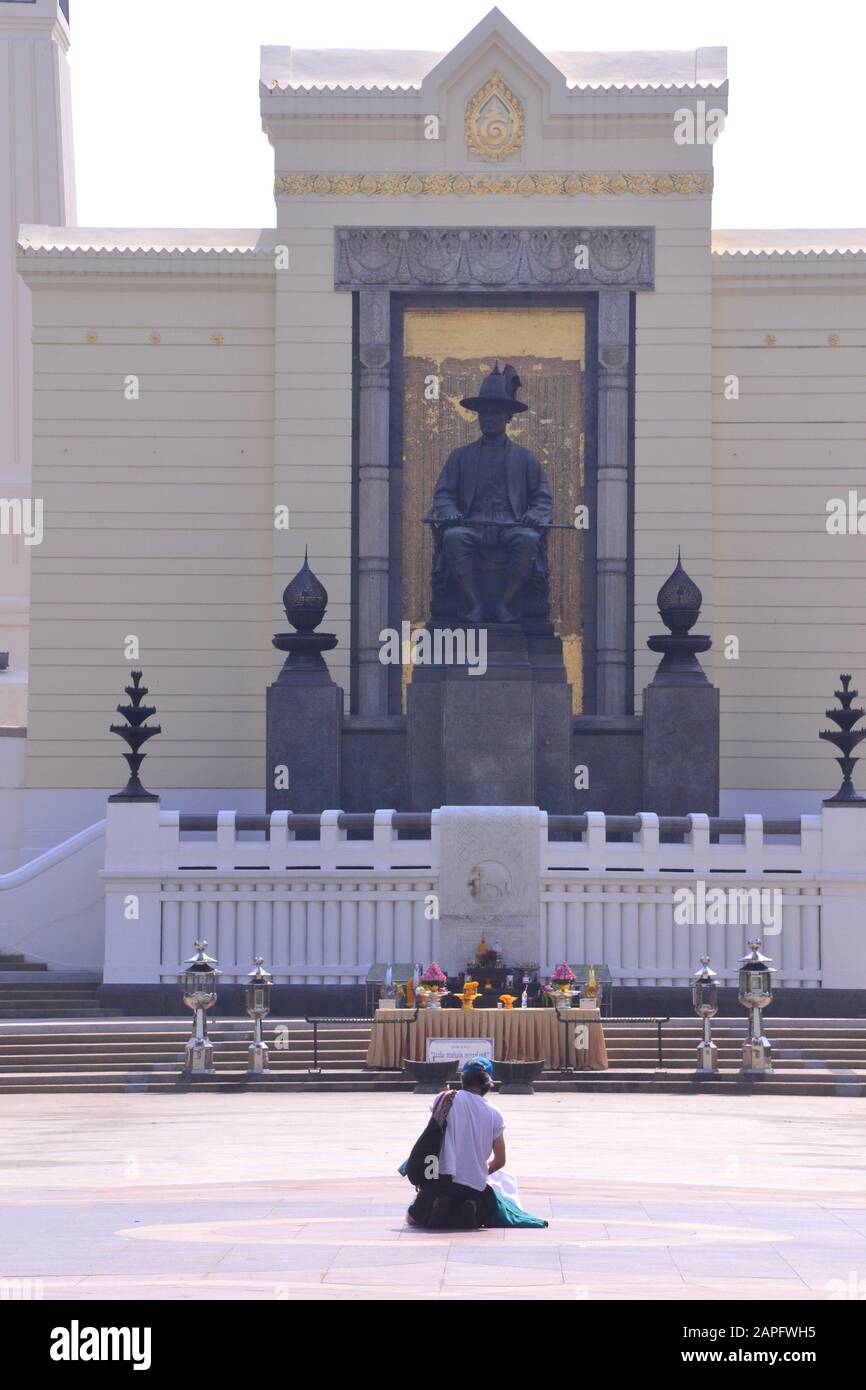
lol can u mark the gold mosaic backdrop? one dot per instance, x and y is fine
(459, 348)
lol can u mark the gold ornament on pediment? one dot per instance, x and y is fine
(494, 120)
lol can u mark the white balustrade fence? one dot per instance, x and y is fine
(322, 910)
(649, 910)
(319, 911)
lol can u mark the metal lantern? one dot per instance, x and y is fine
(199, 994)
(258, 1004)
(755, 993)
(705, 1000)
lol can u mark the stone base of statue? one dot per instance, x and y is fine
(494, 730)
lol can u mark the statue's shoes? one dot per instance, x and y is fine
(505, 615)
(475, 614)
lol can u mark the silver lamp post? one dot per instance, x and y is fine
(199, 994)
(258, 1002)
(755, 993)
(705, 998)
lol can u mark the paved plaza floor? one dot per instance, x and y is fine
(288, 1196)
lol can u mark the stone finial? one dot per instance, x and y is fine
(679, 602)
(305, 599)
(135, 733)
(846, 739)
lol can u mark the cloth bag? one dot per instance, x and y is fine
(428, 1144)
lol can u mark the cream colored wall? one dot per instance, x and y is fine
(793, 594)
(158, 523)
(312, 444)
(673, 446)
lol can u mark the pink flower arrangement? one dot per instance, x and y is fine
(563, 974)
(433, 975)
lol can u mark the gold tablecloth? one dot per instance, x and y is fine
(519, 1035)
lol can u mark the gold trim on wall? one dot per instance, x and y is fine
(441, 185)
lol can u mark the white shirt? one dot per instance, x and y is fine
(472, 1126)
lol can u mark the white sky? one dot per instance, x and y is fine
(168, 133)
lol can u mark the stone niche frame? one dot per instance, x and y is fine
(378, 262)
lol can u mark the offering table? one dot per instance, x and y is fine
(519, 1035)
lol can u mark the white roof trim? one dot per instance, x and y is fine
(789, 243)
(358, 71)
(35, 240)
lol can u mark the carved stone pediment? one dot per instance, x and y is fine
(530, 258)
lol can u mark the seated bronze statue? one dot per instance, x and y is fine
(492, 496)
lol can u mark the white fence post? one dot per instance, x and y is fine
(132, 893)
(843, 896)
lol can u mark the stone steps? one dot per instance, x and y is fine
(817, 1084)
(50, 995)
(15, 961)
(106, 1052)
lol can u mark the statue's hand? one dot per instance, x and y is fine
(531, 518)
(448, 514)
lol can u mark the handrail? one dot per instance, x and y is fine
(347, 820)
(363, 821)
(53, 856)
(674, 825)
(658, 1020)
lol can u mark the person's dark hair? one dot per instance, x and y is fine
(476, 1079)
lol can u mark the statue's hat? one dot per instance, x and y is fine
(498, 386)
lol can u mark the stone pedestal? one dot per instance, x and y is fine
(304, 728)
(496, 737)
(680, 710)
(488, 883)
(681, 748)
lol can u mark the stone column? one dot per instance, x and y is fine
(612, 519)
(374, 350)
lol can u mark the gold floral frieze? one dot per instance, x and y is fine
(494, 120)
(525, 185)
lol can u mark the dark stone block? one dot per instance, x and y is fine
(488, 742)
(676, 1001)
(424, 742)
(681, 749)
(611, 748)
(304, 734)
(554, 767)
(287, 1001)
(373, 766)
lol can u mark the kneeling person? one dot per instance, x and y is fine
(474, 1131)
